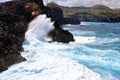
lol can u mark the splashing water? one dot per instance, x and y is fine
(38, 29)
(43, 59)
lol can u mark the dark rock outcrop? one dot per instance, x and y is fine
(26, 8)
(72, 20)
(14, 18)
(97, 13)
(55, 12)
(86, 17)
(60, 35)
(12, 30)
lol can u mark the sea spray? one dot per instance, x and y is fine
(39, 28)
(45, 60)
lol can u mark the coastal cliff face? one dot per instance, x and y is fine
(55, 11)
(12, 30)
(89, 17)
(14, 18)
(97, 13)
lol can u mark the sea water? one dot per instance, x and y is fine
(101, 50)
(95, 54)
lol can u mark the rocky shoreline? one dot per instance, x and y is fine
(14, 19)
(12, 30)
(97, 13)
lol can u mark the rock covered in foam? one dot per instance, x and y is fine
(48, 67)
(39, 28)
(42, 28)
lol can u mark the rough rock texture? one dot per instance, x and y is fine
(39, 2)
(26, 8)
(60, 35)
(56, 13)
(12, 30)
(14, 18)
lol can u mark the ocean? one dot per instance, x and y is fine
(95, 54)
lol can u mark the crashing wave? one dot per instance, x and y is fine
(39, 28)
(41, 64)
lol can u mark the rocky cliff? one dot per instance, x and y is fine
(97, 13)
(14, 18)
(12, 30)
(55, 11)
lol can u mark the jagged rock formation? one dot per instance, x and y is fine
(26, 8)
(14, 18)
(97, 13)
(60, 35)
(12, 30)
(55, 11)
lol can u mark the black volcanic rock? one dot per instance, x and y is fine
(60, 35)
(55, 12)
(13, 25)
(14, 18)
(12, 30)
(39, 2)
(24, 8)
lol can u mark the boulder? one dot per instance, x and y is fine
(60, 35)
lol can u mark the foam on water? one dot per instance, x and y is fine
(102, 53)
(84, 40)
(39, 28)
(43, 59)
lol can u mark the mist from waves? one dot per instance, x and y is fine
(45, 60)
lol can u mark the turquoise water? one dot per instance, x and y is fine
(95, 54)
(103, 54)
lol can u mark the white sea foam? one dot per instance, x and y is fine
(40, 64)
(38, 28)
(84, 40)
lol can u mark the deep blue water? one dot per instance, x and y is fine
(103, 54)
(95, 54)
